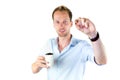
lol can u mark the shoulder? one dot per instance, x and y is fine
(51, 40)
(79, 41)
(47, 46)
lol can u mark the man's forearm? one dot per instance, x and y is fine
(99, 52)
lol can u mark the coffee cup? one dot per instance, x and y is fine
(49, 59)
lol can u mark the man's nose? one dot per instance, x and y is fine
(62, 24)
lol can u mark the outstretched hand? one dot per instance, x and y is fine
(86, 26)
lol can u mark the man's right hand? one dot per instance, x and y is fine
(39, 64)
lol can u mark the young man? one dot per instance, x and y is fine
(70, 54)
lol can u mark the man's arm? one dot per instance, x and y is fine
(99, 51)
(87, 27)
(39, 64)
(35, 68)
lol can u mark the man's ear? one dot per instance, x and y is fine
(71, 23)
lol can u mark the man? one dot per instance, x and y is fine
(70, 54)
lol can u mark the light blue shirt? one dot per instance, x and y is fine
(70, 63)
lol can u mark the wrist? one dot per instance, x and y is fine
(95, 38)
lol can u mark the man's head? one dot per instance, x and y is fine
(62, 20)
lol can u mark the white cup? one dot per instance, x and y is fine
(49, 59)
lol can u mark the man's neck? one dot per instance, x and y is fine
(63, 42)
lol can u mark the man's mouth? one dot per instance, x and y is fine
(61, 30)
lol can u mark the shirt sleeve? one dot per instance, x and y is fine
(88, 51)
(46, 48)
(90, 54)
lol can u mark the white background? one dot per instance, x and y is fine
(25, 25)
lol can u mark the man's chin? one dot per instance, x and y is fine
(62, 35)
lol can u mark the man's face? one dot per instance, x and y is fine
(62, 23)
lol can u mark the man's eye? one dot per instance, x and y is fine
(57, 22)
(65, 22)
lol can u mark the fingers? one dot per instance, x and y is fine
(41, 62)
(82, 22)
(41, 58)
(85, 25)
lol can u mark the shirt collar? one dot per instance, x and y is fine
(73, 41)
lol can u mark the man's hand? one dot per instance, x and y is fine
(86, 26)
(39, 64)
